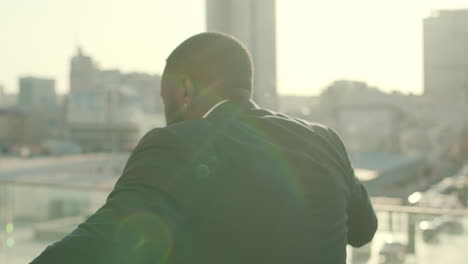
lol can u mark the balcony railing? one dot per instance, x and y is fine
(34, 215)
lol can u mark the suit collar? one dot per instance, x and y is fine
(214, 107)
(230, 108)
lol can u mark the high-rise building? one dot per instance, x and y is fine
(446, 54)
(38, 100)
(253, 22)
(105, 108)
(103, 119)
(37, 93)
(367, 119)
(2, 96)
(147, 86)
(12, 127)
(82, 72)
(86, 76)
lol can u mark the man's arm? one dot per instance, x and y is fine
(362, 221)
(138, 221)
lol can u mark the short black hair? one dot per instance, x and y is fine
(210, 56)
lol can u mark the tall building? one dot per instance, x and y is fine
(103, 119)
(446, 54)
(147, 86)
(37, 93)
(38, 100)
(86, 76)
(2, 96)
(367, 119)
(82, 72)
(12, 127)
(253, 22)
(105, 108)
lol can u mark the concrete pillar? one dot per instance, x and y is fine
(411, 247)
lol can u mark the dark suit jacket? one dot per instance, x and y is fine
(243, 185)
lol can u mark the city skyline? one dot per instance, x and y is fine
(380, 43)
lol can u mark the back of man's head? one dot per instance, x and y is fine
(217, 64)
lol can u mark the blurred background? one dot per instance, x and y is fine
(80, 84)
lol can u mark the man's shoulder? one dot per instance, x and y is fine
(313, 128)
(317, 128)
(184, 128)
(324, 131)
(182, 133)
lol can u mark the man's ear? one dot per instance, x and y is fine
(188, 90)
(183, 92)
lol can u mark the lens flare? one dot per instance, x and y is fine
(10, 242)
(10, 228)
(146, 233)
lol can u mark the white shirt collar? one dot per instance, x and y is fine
(214, 107)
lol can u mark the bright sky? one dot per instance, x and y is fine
(378, 41)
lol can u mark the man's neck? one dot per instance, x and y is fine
(214, 107)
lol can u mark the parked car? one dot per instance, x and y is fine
(392, 253)
(430, 231)
(451, 225)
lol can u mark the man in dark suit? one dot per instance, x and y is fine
(225, 181)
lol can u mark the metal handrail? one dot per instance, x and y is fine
(377, 206)
(83, 187)
(420, 210)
